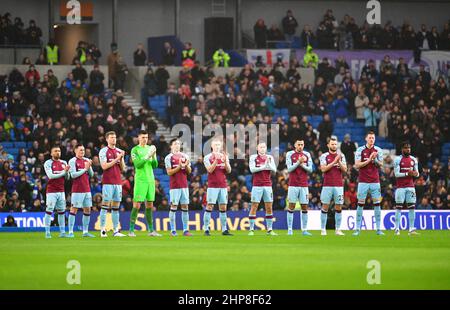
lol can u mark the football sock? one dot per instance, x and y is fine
(115, 219)
(252, 221)
(103, 212)
(377, 211)
(62, 221)
(359, 214)
(47, 221)
(86, 220)
(172, 214)
(338, 219)
(223, 219)
(185, 219)
(149, 218)
(323, 219)
(290, 219)
(206, 219)
(269, 221)
(304, 220)
(133, 217)
(71, 222)
(398, 214)
(412, 219)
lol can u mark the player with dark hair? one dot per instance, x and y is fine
(144, 160)
(56, 171)
(299, 164)
(406, 168)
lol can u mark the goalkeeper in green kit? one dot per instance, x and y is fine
(144, 160)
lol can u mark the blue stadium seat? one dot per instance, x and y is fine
(7, 144)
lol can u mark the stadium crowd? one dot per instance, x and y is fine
(396, 102)
(45, 111)
(347, 34)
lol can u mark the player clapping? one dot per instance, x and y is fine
(178, 167)
(406, 167)
(368, 159)
(113, 163)
(56, 171)
(80, 171)
(261, 165)
(299, 164)
(144, 160)
(332, 164)
(217, 164)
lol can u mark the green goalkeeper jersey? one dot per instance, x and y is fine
(143, 167)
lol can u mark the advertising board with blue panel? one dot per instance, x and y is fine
(238, 220)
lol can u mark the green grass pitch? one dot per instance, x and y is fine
(239, 262)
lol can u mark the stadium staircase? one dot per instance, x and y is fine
(136, 105)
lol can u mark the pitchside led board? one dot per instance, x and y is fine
(425, 220)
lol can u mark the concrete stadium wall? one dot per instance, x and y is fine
(140, 19)
(59, 71)
(7, 55)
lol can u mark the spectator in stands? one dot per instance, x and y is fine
(188, 55)
(112, 62)
(10, 221)
(435, 40)
(408, 38)
(32, 73)
(94, 52)
(371, 116)
(340, 106)
(139, 56)
(162, 77)
(150, 86)
(79, 73)
(289, 26)
(307, 36)
(18, 34)
(390, 37)
(260, 32)
(80, 53)
(121, 74)
(445, 37)
(274, 34)
(168, 54)
(310, 59)
(423, 38)
(325, 128)
(221, 58)
(96, 78)
(424, 204)
(52, 53)
(41, 59)
(26, 61)
(33, 34)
